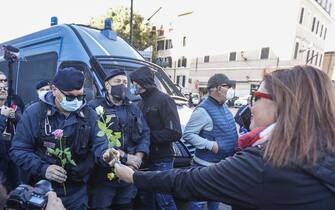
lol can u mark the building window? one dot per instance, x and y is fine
(301, 15)
(324, 37)
(265, 53)
(312, 58)
(317, 28)
(184, 62)
(206, 59)
(168, 44)
(320, 60)
(232, 56)
(321, 31)
(184, 41)
(307, 57)
(181, 80)
(168, 61)
(313, 24)
(316, 59)
(296, 50)
(160, 45)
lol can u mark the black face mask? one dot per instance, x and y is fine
(118, 92)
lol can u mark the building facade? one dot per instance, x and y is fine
(242, 43)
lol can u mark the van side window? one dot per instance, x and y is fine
(34, 69)
(89, 85)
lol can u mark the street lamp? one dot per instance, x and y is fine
(131, 23)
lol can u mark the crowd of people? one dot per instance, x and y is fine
(282, 157)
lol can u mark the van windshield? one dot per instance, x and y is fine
(105, 64)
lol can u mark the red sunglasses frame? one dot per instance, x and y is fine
(262, 95)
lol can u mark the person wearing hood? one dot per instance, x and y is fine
(290, 166)
(64, 110)
(127, 118)
(160, 112)
(42, 87)
(212, 130)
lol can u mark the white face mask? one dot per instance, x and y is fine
(41, 94)
(230, 94)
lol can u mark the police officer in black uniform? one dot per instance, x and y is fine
(128, 119)
(64, 108)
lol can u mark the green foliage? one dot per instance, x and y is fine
(142, 36)
(112, 137)
(104, 123)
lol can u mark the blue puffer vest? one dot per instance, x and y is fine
(224, 132)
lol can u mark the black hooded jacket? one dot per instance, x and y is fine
(248, 180)
(160, 112)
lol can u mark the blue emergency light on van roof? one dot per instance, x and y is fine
(54, 21)
(107, 31)
(108, 24)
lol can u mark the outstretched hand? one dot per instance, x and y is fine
(124, 173)
(111, 156)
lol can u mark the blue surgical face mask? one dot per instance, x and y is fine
(71, 106)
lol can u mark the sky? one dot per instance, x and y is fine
(21, 17)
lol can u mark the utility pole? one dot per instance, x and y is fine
(131, 23)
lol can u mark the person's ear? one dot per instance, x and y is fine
(54, 90)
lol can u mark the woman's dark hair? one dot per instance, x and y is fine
(305, 124)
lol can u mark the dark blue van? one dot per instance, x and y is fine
(93, 51)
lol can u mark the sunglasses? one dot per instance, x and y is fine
(258, 95)
(3, 80)
(72, 97)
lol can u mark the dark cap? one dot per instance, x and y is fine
(219, 79)
(114, 73)
(42, 83)
(69, 78)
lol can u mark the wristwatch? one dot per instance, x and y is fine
(124, 158)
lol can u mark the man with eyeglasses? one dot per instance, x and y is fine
(15, 99)
(9, 116)
(211, 129)
(64, 108)
(127, 118)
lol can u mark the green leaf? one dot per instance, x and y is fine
(67, 149)
(72, 162)
(69, 156)
(51, 151)
(63, 162)
(117, 135)
(108, 118)
(57, 151)
(118, 144)
(101, 126)
(101, 134)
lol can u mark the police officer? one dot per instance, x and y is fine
(64, 108)
(42, 87)
(128, 119)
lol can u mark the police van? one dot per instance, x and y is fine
(93, 51)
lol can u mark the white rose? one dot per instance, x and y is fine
(99, 110)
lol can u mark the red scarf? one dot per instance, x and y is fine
(248, 139)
